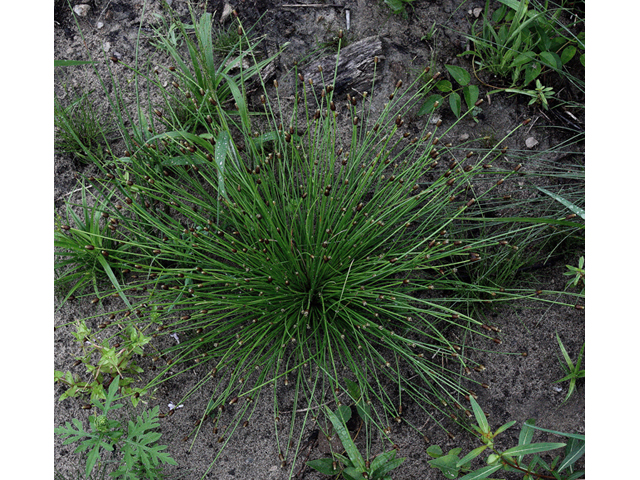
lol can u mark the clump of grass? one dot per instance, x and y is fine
(79, 129)
(280, 253)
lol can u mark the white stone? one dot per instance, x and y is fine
(531, 142)
(99, 25)
(226, 11)
(82, 10)
(477, 11)
(107, 46)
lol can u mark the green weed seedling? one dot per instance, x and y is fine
(353, 466)
(141, 457)
(578, 273)
(114, 358)
(512, 459)
(462, 78)
(573, 372)
(540, 95)
(398, 6)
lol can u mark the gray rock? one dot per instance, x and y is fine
(82, 10)
(531, 142)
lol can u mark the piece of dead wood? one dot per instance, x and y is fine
(355, 67)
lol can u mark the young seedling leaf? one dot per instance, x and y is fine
(471, 455)
(504, 427)
(480, 417)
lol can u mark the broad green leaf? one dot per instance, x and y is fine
(354, 390)
(386, 468)
(323, 465)
(523, 59)
(459, 74)
(343, 412)
(471, 94)
(567, 53)
(550, 60)
(526, 434)
(434, 451)
(444, 86)
(479, 414)
(447, 465)
(382, 459)
(504, 427)
(531, 71)
(481, 473)
(430, 104)
(471, 455)
(347, 443)
(533, 448)
(351, 473)
(455, 102)
(582, 59)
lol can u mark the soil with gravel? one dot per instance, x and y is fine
(521, 387)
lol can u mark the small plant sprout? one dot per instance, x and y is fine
(540, 95)
(578, 273)
(573, 373)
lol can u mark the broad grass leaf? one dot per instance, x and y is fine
(459, 74)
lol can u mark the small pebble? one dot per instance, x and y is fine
(476, 12)
(531, 142)
(226, 12)
(107, 46)
(82, 10)
(99, 25)
(464, 137)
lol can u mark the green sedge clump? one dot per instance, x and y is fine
(275, 251)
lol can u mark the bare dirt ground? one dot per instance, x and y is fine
(520, 387)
